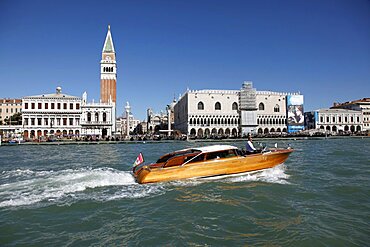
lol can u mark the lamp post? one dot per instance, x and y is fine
(127, 108)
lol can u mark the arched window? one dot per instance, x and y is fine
(200, 106)
(218, 106)
(261, 107)
(88, 117)
(277, 108)
(235, 106)
(191, 121)
(104, 117)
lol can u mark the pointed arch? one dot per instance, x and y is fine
(200, 105)
(217, 106)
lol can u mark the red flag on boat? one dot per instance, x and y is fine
(139, 160)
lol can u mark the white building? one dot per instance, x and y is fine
(156, 121)
(206, 113)
(55, 114)
(97, 119)
(336, 120)
(362, 105)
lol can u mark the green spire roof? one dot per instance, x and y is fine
(108, 44)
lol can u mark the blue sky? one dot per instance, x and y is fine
(320, 48)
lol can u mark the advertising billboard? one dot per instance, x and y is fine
(295, 121)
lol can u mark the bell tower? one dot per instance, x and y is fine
(108, 71)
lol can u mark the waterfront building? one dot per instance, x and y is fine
(156, 121)
(97, 119)
(362, 105)
(232, 113)
(9, 107)
(108, 71)
(206, 113)
(335, 120)
(273, 114)
(54, 114)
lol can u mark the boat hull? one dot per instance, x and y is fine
(216, 167)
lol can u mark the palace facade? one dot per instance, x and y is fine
(233, 113)
(55, 114)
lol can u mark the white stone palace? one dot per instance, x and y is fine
(55, 114)
(232, 113)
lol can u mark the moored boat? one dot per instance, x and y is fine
(209, 161)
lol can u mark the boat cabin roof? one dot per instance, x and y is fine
(214, 148)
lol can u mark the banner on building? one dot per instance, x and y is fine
(295, 112)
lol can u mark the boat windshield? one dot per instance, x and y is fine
(166, 157)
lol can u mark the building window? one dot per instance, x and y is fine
(327, 119)
(218, 106)
(32, 121)
(26, 121)
(71, 106)
(58, 105)
(46, 106)
(58, 121)
(39, 121)
(200, 106)
(64, 121)
(25, 105)
(261, 107)
(235, 106)
(39, 106)
(96, 117)
(277, 108)
(104, 117)
(65, 106)
(88, 117)
(46, 121)
(77, 106)
(52, 105)
(333, 119)
(339, 119)
(71, 121)
(32, 105)
(321, 119)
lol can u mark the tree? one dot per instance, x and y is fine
(16, 119)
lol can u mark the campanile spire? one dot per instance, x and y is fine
(108, 70)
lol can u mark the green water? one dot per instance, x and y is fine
(85, 195)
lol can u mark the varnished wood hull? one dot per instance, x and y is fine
(217, 167)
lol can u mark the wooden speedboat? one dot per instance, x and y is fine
(207, 161)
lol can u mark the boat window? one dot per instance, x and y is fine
(221, 154)
(196, 159)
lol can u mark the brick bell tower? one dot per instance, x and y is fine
(108, 71)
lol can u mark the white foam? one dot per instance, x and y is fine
(53, 185)
(272, 175)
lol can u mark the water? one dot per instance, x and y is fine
(85, 195)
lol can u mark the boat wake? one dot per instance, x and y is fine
(66, 186)
(272, 175)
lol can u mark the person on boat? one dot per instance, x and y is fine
(250, 148)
